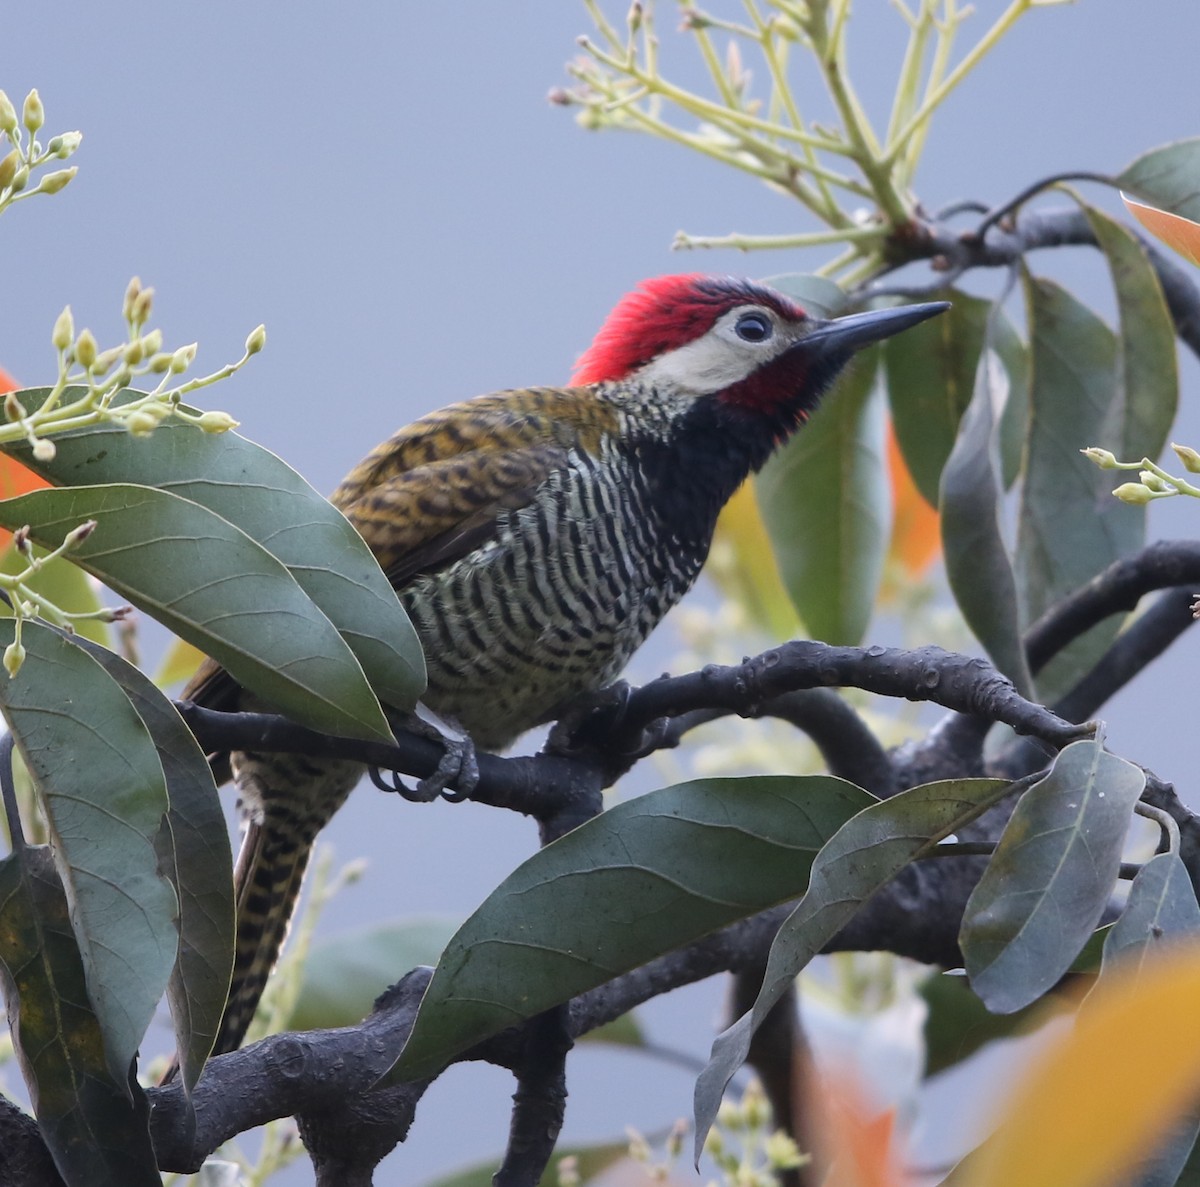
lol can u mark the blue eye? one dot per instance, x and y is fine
(753, 327)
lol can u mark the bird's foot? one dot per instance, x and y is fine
(457, 769)
(587, 718)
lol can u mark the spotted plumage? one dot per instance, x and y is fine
(537, 536)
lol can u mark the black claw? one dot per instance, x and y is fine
(391, 782)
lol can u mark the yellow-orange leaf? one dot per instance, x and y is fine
(1175, 231)
(1101, 1097)
(916, 538)
(742, 563)
(178, 664)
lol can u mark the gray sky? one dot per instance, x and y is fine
(386, 188)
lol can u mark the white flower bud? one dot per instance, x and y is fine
(33, 115)
(1133, 492)
(64, 330)
(14, 657)
(257, 340)
(8, 168)
(44, 449)
(1102, 458)
(1188, 456)
(216, 422)
(53, 182)
(183, 358)
(85, 350)
(8, 114)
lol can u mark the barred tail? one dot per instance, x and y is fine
(267, 878)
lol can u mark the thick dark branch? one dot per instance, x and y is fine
(956, 252)
(1138, 646)
(966, 684)
(539, 1102)
(542, 786)
(1117, 590)
(320, 1071)
(562, 787)
(24, 1159)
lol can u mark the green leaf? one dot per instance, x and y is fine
(866, 853)
(211, 584)
(1069, 525)
(930, 378)
(193, 850)
(958, 1024)
(1013, 353)
(644, 878)
(1050, 878)
(101, 787)
(825, 502)
(258, 492)
(1147, 390)
(345, 974)
(978, 565)
(95, 1124)
(1168, 177)
(1161, 908)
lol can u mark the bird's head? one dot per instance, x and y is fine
(752, 349)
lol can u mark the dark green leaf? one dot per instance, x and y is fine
(1147, 394)
(101, 787)
(345, 974)
(193, 850)
(642, 879)
(930, 377)
(95, 1125)
(978, 566)
(1069, 525)
(258, 492)
(1167, 177)
(214, 586)
(1161, 908)
(824, 500)
(1013, 353)
(867, 852)
(958, 1023)
(1050, 878)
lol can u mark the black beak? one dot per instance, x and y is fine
(841, 337)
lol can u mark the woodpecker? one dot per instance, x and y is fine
(536, 537)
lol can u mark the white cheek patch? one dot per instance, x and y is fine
(712, 363)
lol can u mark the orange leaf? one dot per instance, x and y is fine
(916, 538)
(1175, 231)
(858, 1143)
(15, 479)
(1100, 1097)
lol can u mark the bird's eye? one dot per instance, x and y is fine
(753, 327)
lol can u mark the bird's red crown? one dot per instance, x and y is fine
(667, 312)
